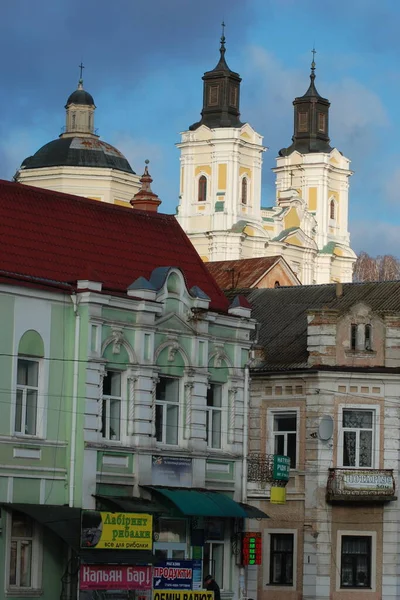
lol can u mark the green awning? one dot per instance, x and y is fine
(131, 504)
(200, 503)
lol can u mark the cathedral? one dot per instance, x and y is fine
(220, 206)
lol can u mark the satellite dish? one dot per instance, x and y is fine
(325, 430)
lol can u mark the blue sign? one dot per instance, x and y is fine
(176, 574)
(173, 471)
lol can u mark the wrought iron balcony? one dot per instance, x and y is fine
(360, 485)
(268, 468)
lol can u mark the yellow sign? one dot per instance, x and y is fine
(117, 531)
(182, 595)
(278, 495)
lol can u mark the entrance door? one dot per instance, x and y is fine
(170, 551)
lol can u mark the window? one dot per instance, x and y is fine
(302, 121)
(367, 337)
(355, 571)
(358, 430)
(203, 188)
(285, 436)
(213, 95)
(332, 211)
(214, 415)
(321, 122)
(353, 336)
(21, 551)
(244, 190)
(281, 559)
(111, 415)
(233, 95)
(167, 410)
(73, 120)
(26, 408)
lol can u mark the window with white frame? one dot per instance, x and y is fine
(26, 408)
(112, 403)
(214, 416)
(24, 554)
(284, 432)
(167, 410)
(357, 437)
(281, 559)
(355, 561)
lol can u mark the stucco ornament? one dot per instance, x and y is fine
(118, 337)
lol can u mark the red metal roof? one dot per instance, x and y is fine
(64, 238)
(241, 273)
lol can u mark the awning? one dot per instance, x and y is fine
(253, 512)
(62, 520)
(131, 504)
(200, 503)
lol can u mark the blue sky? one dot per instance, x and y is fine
(144, 62)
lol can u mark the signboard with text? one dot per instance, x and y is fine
(114, 577)
(176, 574)
(171, 471)
(281, 468)
(182, 595)
(251, 548)
(118, 531)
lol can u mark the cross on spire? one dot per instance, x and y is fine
(81, 66)
(223, 34)
(314, 52)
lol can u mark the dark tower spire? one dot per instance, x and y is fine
(221, 94)
(311, 120)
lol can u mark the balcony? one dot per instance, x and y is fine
(360, 485)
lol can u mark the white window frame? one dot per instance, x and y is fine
(39, 407)
(267, 557)
(36, 564)
(222, 411)
(343, 533)
(106, 404)
(274, 412)
(226, 543)
(375, 409)
(164, 404)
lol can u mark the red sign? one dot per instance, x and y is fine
(251, 548)
(114, 577)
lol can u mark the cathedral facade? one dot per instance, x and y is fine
(220, 186)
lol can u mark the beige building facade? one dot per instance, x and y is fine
(325, 393)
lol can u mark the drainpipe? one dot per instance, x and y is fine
(246, 399)
(74, 416)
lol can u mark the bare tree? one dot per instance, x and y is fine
(381, 268)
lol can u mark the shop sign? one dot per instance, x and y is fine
(251, 548)
(173, 471)
(182, 595)
(367, 481)
(281, 468)
(113, 577)
(176, 574)
(117, 531)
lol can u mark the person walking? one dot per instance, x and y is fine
(212, 586)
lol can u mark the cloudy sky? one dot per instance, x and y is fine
(144, 60)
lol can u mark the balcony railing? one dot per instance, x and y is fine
(267, 468)
(360, 485)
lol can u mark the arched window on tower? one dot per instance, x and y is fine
(332, 210)
(73, 120)
(203, 188)
(244, 190)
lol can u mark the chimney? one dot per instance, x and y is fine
(145, 199)
(339, 289)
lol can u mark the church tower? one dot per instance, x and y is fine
(220, 180)
(320, 175)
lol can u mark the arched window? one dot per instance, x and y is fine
(332, 210)
(73, 121)
(203, 188)
(244, 190)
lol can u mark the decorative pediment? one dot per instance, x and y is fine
(172, 321)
